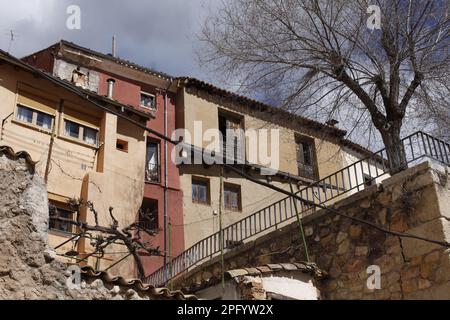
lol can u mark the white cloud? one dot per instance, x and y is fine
(158, 33)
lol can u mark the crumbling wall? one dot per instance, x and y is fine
(416, 201)
(28, 268)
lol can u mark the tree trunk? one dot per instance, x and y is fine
(139, 266)
(395, 149)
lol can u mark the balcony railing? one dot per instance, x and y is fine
(306, 171)
(152, 173)
(151, 224)
(351, 178)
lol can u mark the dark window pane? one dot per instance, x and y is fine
(72, 129)
(199, 191)
(24, 114)
(307, 154)
(44, 120)
(152, 168)
(90, 135)
(202, 193)
(232, 197)
(305, 159)
(60, 225)
(147, 100)
(148, 214)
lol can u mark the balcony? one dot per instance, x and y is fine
(233, 152)
(149, 225)
(152, 173)
(307, 171)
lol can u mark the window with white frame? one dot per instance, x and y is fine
(80, 132)
(148, 100)
(35, 117)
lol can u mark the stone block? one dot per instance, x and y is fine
(409, 285)
(409, 272)
(427, 206)
(355, 231)
(340, 237)
(361, 251)
(437, 229)
(343, 247)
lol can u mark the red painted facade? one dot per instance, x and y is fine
(128, 91)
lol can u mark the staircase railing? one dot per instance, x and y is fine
(354, 177)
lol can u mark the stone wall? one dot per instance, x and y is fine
(28, 268)
(416, 201)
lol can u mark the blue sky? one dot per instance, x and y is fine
(160, 34)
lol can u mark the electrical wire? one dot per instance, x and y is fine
(87, 96)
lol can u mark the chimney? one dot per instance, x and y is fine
(110, 88)
(113, 46)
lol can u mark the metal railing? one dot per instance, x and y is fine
(333, 187)
(152, 173)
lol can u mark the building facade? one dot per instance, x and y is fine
(149, 92)
(184, 200)
(303, 151)
(71, 133)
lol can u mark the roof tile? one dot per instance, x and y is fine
(275, 267)
(237, 272)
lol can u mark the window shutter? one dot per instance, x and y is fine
(37, 103)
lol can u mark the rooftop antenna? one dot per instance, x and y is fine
(10, 40)
(114, 46)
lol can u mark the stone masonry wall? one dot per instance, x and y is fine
(416, 201)
(28, 269)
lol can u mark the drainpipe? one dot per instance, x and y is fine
(165, 182)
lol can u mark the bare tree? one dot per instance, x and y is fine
(104, 236)
(332, 56)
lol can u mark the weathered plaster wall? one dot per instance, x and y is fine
(105, 176)
(199, 219)
(28, 269)
(415, 201)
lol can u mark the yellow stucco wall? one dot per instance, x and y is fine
(106, 176)
(200, 220)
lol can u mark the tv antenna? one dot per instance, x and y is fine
(11, 40)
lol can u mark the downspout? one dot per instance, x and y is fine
(166, 219)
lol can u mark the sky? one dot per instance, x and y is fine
(159, 34)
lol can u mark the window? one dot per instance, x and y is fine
(148, 100)
(232, 197)
(148, 214)
(90, 135)
(71, 129)
(58, 213)
(24, 114)
(44, 120)
(80, 132)
(152, 167)
(35, 117)
(122, 145)
(200, 190)
(232, 138)
(306, 161)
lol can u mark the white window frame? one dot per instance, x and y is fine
(147, 94)
(80, 133)
(35, 113)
